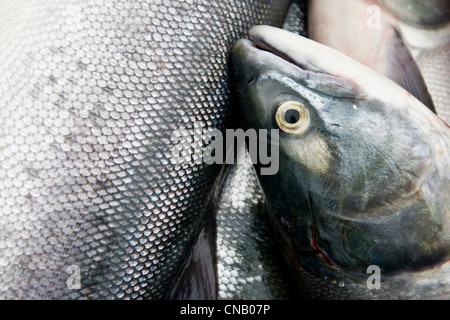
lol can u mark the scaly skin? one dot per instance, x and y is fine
(90, 94)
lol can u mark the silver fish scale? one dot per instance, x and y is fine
(248, 266)
(90, 93)
(435, 67)
(247, 261)
(295, 20)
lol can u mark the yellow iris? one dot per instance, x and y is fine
(292, 117)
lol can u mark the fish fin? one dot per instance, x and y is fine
(197, 279)
(295, 20)
(404, 70)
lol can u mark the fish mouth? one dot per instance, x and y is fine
(256, 46)
(295, 56)
(298, 50)
(262, 42)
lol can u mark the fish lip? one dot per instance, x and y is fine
(305, 65)
(263, 40)
(258, 52)
(311, 56)
(257, 44)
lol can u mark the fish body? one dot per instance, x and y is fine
(366, 32)
(429, 42)
(92, 203)
(363, 181)
(407, 41)
(248, 261)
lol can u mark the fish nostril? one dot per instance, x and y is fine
(251, 79)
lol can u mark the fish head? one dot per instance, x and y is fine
(353, 146)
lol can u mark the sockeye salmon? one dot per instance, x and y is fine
(91, 205)
(363, 181)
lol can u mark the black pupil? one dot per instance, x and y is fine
(291, 116)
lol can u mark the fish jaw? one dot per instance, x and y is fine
(381, 157)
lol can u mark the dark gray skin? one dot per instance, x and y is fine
(422, 13)
(366, 184)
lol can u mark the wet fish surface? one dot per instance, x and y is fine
(407, 41)
(249, 263)
(420, 13)
(366, 32)
(364, 170)
(91, 205)
(425, 29)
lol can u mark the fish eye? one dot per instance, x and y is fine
(292, 117)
